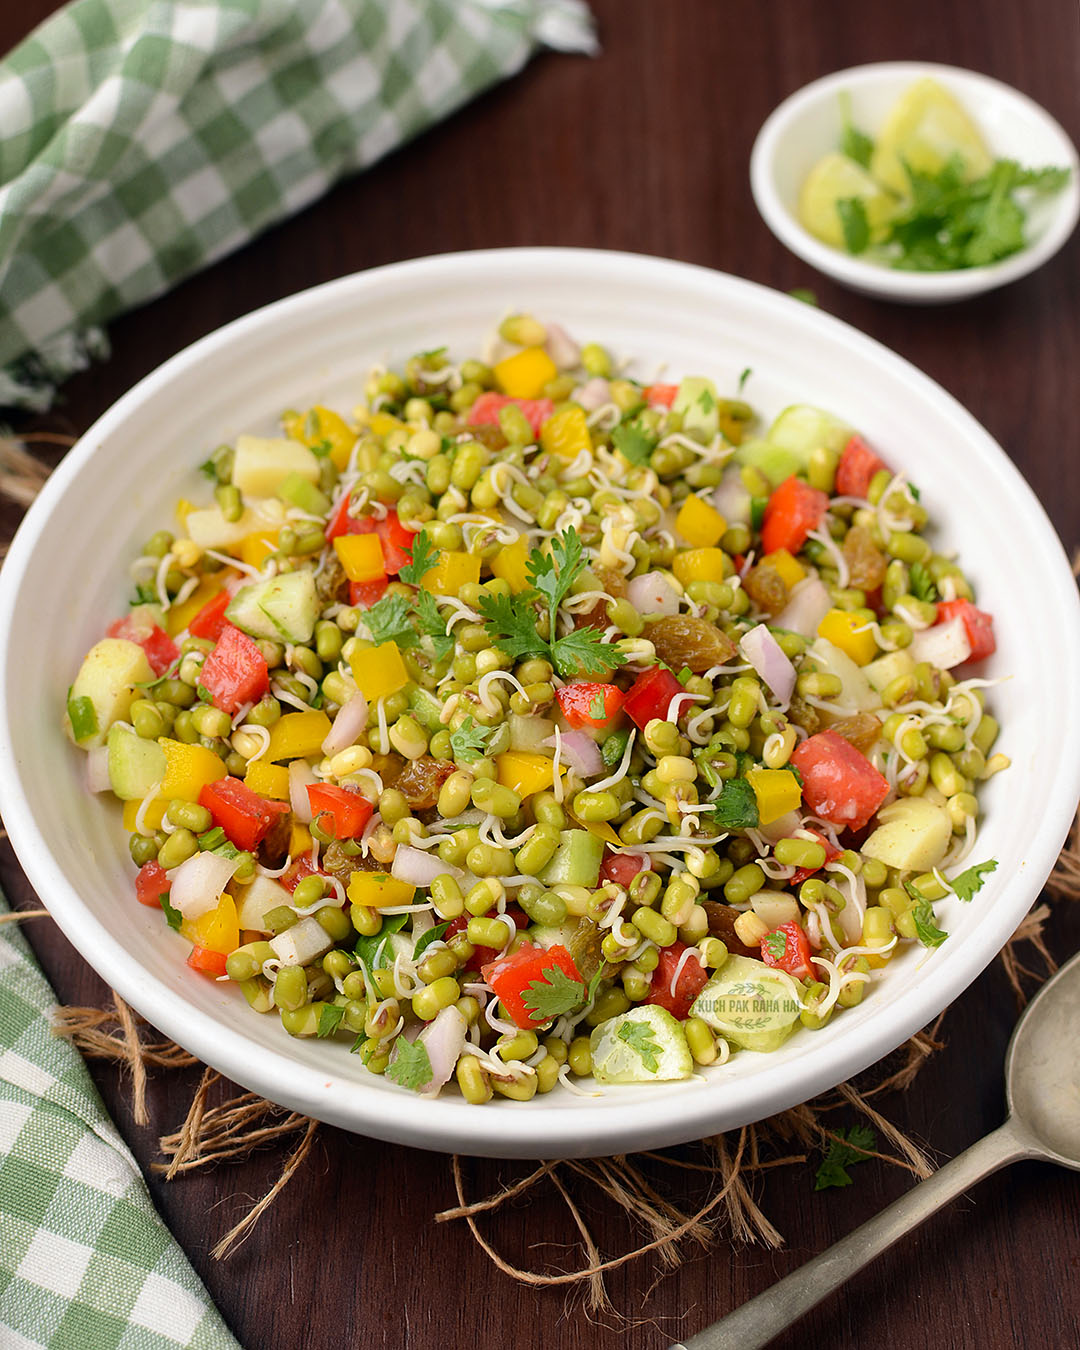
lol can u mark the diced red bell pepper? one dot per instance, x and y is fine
(485, 411)
(151, 884)
(676, 994)
(978, 625)
(207, 962)
(210, 620)
(622, 868)
(364, 594)
(244, 816)
(587, 703)
(511, 977)
(788, 948)
(650, 696)
(396, 540)
(839, 783)
(660, 395)
(831, 854)
(161, 651)
(483, 956)
(793, 510)
(856, 469)
(343, 813)
(235, 672)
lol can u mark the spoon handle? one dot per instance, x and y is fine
(774, 1310)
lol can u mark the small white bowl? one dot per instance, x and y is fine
(808, 125)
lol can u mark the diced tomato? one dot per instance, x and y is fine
(210, 620)
(364, 594)
(342, 812)
(151, 884)
(483, 956)
(978, 625)
(793, 510)
(586, 703)
(839, 783)
(788, 948)
(207, 962)
(340, 522)
(660, 395)
(511, 976)
(650, 696)
(856, 469)
(801, 873)
(485, 411)
(676, 995)
(622, 868)
(244, 816)
(235, 672)
(299, 868)
(161, 651)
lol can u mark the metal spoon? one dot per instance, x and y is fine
(1042, 1090)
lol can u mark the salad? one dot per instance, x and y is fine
(536, 723)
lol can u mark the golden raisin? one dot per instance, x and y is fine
(866, 563)
(765, 586)
(681, 640)
(861, 729)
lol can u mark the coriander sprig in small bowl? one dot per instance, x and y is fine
(916, 182)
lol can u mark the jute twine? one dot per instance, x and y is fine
(727, 1164)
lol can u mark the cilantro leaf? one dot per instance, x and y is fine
(433, 625)
(805, 294)
(922, 915)
(554, 573)
(922, 583)
(747, 372)
(330, 1015)
(424, 558)
(584, 652)
(556, 993)
(388, 621)
(639, 1036)
(511, 624)
(424, 941)
(853, 142)
(854, 223)
(372, 952)
(1041, 180)
(775, 945)
(736, 808)
(173, 917)
(598, 708)
(469, 742)
(410, 1067)
(849, 1147)
(705, 400)
(970, 881)
(633, 443)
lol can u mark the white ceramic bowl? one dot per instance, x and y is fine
(808, 124)
(65, 579)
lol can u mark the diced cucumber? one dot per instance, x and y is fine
(749, 1004)
(426, 708)
(104, 689)
(551, 935)
(644, 1045)
(260, 465)
(696, 404)
(297, 490)
(888, 668)
(147, 616)
(282, 608)
(776, 462)
(576, 862)
(857, 692)
(802, 429)
(530, 733)
(913, 834)
(135, 765)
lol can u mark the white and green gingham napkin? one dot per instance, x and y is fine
(142, 139)
(85, 1261)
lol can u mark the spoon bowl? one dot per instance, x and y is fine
(1042, 1070)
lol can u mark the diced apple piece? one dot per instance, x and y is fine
(108, 678)
(260, 464)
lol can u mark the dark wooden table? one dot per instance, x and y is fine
(646, 149)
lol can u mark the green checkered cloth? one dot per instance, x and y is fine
(141, 140)
(85, 1261)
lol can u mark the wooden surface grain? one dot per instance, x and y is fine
(646, 148)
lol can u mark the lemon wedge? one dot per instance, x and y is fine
(926, 128)
(834, 178)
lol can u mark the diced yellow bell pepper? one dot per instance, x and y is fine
(378, 671)
(188, 769)
(524, 374)
(700, 524)
(524, 772)
(850, 633)
(787, 568)
(184, 508)
(383, 423)
(566, 433)
(152, 818)
(268, 780)
(601, 829)
(255, 548)
(701, 564)
(777, 792)
(509, 564)
(361, 556)
(378, 890)
(451, 572)
(179, 616)
(322, 427)
(300, 840)
(215, 931)
(298, 735)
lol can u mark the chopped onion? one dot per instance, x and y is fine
(944, 645)
(592, 394)
(419, 868)
(348, 724)
(653, 593)
(444, 1040)
(300, 775)
(580, 752)
(732, 499)
(807, 605)
(562, 348)
(97, 769)
(198, 882)
(767, 657)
